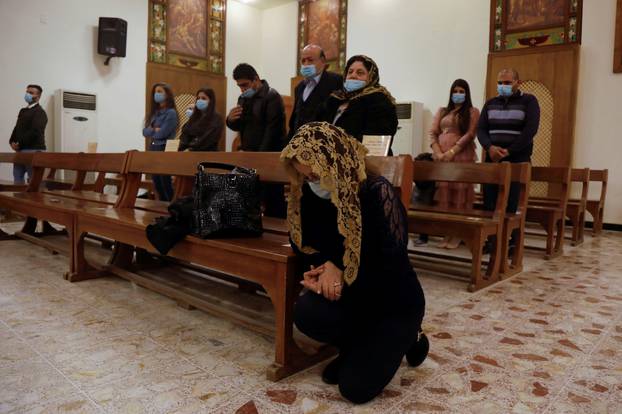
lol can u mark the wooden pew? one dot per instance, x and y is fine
(474, 227)
(267, 260)
(575, 209)
(117, 180)
(14, 158)
(8, 185)
(512, 262)
(552, 215)
(37, 204)
(397, 170)
(51, 182)
(597, 207)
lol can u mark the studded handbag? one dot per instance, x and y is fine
(226, 204)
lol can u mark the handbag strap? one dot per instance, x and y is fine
(216, 165)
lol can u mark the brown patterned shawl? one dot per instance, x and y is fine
(373, 84)
(339, 160)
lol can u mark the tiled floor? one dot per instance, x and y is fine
(546, 341)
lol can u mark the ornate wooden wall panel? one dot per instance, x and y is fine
(186, 49)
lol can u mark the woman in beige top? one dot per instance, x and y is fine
(453, 134)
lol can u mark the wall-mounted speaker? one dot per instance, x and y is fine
(112, 37)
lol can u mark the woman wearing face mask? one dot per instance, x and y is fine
(160, 125)
(350, 230)
(453, 140)
(363, 106)
(204, 128)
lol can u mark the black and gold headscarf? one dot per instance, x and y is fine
(339, 160)
(373, 83)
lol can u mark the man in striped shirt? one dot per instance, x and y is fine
(507, 126)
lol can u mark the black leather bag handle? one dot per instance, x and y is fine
(222, 166)
(216, 165)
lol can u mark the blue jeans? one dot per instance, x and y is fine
(20, 170)
(162, 183)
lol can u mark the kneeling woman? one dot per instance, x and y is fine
(350, 229)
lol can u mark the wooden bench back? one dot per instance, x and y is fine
(24, 158)
(81, 163)
(601, 176)
(397, 170)
(498, 174)
(183, 165)
(581, 175)
(521, 174)
(554, 175)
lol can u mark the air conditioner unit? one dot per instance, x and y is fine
(409, 136)
(75, 121)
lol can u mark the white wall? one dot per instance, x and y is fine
(54, 44)
(278, 45)
(243, 45)
(422, 46)
(597, 135)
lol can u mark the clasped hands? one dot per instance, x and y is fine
(497, 153)
(325, 280)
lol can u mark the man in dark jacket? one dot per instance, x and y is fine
(259, 116)
(507, 126)
(29, 132)
(311, 92)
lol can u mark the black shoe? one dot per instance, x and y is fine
(487, 249)
(418, 352)
(330, 375)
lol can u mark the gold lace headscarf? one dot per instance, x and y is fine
(373, 84)
(339, 160)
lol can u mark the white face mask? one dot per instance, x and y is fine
(318, 190)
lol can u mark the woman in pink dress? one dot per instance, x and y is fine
(453, 134)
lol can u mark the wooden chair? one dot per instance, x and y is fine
(597, 207)
(575, 209)
(474, 226)
(551, 216)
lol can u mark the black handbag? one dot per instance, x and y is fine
(226, 204)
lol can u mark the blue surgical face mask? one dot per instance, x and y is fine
(505, 90)
(249, 93)
(159, 97)
(28, 98)
(352, 85)
(318, 190)
(458, 98)
(189, 112)
(308, 71)
(201, 104)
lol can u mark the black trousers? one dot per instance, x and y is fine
(491, 193)
(490, 197)
(273, 198)
(369, 356)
